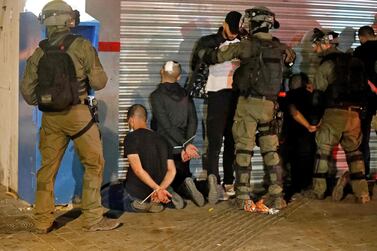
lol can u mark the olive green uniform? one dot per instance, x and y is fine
(253, 114)
(338, 126)
(57, 127)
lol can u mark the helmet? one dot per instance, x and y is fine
(323, 36)
(260, 17)
(59, 13)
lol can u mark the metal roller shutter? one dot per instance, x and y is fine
(153, 32)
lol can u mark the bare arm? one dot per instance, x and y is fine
(170, 174)
(136, 166)
(297, 116)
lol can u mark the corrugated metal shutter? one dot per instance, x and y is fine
(153, 32)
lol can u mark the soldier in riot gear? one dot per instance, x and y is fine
(74, 122)
(258, 80)
(343, 79)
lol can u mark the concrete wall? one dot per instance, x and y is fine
(9, 51)
(108, 14)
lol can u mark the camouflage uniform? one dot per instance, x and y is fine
(340, 124)
(57, 127)
(254, 113)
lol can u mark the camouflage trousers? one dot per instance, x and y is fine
(256, 115)
(54, 138)
(339, 126)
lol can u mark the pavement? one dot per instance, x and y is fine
(304, 225)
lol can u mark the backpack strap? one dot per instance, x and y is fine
(68, 40)
(44, 44)
(64, 44)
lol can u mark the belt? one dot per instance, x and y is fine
(348, 108)
(263, 97)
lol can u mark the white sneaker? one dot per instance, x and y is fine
(221, 193)
(229, 189)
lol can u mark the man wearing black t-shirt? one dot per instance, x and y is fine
(152, 168)
(305, 109)
(367, 52)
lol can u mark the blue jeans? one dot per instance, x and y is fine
(115, 197)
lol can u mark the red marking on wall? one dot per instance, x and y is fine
(109, 46)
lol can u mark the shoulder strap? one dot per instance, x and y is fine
(68, 40)
(255, 42)
(64, 44)
(43, 44)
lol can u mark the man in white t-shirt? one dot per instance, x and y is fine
(222, 102)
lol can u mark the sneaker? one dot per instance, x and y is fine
(193, 192)
(147, 207)
(105, 224)
(213, 195)
(229, 190)
(338, 191)
(221, 193)
(177, 201)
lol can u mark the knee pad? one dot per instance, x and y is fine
(355, 162)
(243, 157)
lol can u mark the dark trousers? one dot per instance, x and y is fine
(183, 171)
(221, 107)
(365, 123)
(302, 149)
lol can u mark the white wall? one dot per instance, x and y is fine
(9, 57)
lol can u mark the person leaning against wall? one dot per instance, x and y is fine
(73, 121)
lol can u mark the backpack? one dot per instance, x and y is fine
(261, 74)
(350, 85)
(58, 87)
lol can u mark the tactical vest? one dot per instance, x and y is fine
(350, 85)
(261, 75)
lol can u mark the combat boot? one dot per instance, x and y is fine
(360, 190)
(245, 204)
(279, 203)
(363, 199)
(337, 193)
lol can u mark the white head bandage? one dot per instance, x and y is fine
(168, 67)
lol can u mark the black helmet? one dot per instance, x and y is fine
(323, 36)
(260, 17)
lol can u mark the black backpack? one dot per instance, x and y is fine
(350, 85)
(58, 87)
(262, 74)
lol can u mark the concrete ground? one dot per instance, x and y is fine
(305, 225)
